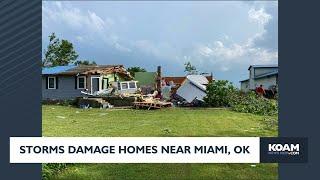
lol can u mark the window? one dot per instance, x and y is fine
(124, 85)
(81, 82)
(51, 82)
(132, 85)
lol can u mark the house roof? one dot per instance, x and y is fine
(56, 69)
(193, 87)
(273, 73)
(175, 80)
(263, 66)
(199, 81)
(86, 69)
(179, 80)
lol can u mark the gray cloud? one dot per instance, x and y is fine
(269, 38)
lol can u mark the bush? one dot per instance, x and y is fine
(219, 93)
(222, 93)
(50, 170)
(252, 103)
(67, 102)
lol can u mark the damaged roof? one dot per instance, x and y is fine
(199, 81)
(179, 80)
(193, 87)
(85, 69)
(56, 69)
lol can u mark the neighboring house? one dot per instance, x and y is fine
(266, 75)
(146, 79)
(67, 82)
(149, 81)
(193, 88)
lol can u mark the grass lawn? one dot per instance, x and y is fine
(69, 121)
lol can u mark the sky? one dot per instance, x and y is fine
(219, 37)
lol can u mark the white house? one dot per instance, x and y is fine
(266, 75)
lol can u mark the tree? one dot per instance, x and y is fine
(85, 62)
(190, 69)
(59, 52)
(135, 69)
(220, 93)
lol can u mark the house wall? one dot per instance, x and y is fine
(255, 72)
(266, 82)
(245, 86)
(251, 79)
(189, 92)
(259, 71)
(66, 89)
(112, 78)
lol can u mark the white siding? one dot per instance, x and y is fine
(189, 92)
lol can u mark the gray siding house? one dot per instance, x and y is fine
(266, 75)
(68, 82)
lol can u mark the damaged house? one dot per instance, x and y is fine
(193, 88)
(69, 82)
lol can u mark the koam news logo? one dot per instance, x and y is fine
(284, 149)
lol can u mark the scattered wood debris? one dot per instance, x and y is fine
(152, 105)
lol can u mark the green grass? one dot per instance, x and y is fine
(69, 121)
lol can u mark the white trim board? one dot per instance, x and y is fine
(98, 77)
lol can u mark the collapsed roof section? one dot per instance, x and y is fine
(199, 81)
(193, 87)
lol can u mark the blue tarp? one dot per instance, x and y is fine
(57, 69)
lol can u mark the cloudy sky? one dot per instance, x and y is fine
(222, 37)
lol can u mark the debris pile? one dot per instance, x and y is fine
(151, 101)
(186, 91)
(164, 91)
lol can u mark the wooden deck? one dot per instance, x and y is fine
(152, 105)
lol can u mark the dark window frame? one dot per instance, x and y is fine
(84, 82)
(54, 82)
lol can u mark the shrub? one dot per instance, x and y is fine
(222, 93)
(252, 103)
(70, 102)
(219, 93)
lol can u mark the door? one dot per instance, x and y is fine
(95, 84)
